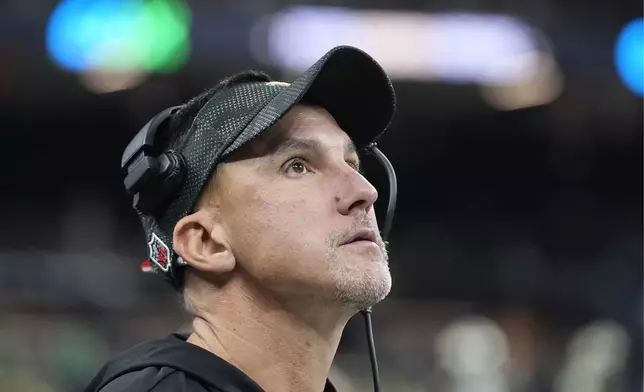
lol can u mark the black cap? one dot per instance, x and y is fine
(346, 81)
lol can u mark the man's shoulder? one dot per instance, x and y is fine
(169, 364)
(155, 379)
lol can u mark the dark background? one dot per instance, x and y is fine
(517, 231)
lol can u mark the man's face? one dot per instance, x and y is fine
(291, 203)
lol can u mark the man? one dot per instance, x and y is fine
(270, 233)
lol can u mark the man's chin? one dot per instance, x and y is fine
(361, 297)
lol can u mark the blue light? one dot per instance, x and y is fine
(629, 56)
(62, 35)
(78, 31)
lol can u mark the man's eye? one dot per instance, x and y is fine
(297, 167)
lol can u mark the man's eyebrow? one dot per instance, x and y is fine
(291, 144)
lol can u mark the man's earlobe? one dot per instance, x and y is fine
(203, 244)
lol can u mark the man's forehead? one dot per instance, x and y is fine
(304, 127)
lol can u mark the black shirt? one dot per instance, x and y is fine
(172, 365)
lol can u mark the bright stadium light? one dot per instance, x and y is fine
(452, 47)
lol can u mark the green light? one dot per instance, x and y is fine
(165, 26)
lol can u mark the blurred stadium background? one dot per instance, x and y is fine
(517, 245)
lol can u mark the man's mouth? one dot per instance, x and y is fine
(362, 235)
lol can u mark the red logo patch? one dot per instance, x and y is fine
(159, 252)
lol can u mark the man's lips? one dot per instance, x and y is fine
(361, 235)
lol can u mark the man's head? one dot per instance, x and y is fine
(260, 181)
(290, 214)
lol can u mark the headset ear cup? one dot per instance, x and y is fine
(173, 173)
(154, 198)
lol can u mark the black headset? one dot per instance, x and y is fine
(152, 176)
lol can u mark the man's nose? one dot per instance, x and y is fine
(355, 192)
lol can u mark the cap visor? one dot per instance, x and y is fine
(349, 84)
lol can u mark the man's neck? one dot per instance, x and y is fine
(279, 349)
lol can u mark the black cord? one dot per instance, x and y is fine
(391, 208)
(393, 189)
(372, 350)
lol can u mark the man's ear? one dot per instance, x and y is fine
(202, 243)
